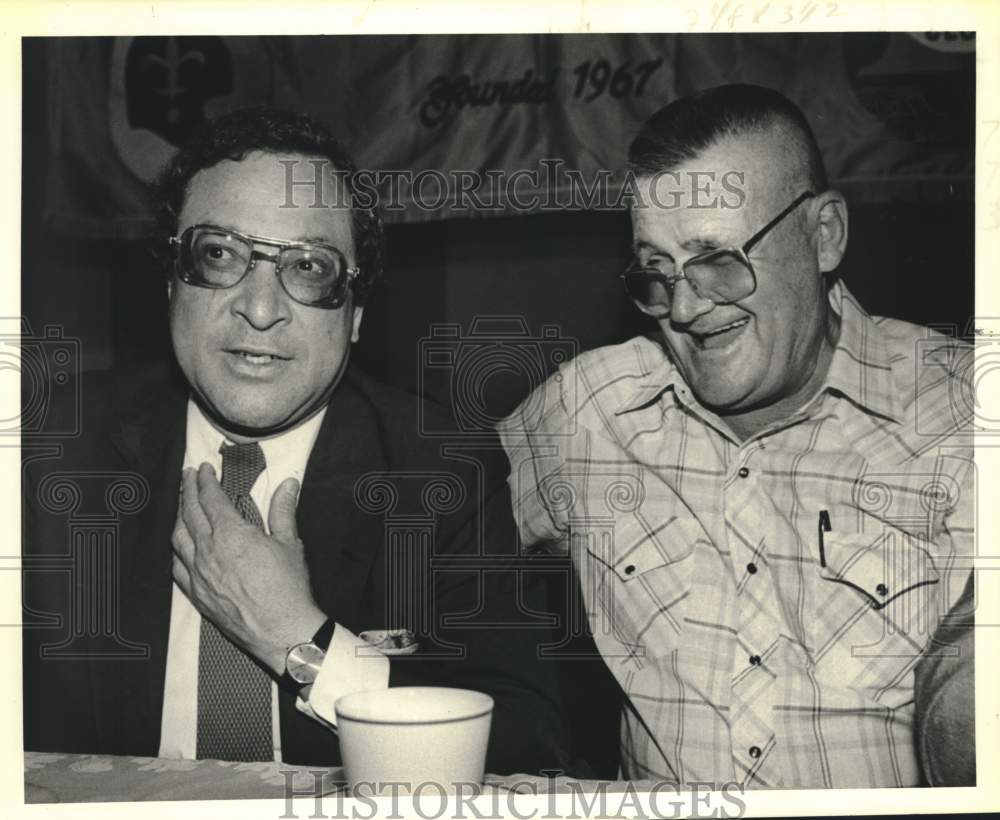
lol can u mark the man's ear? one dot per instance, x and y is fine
(356, 321)
(831, 230)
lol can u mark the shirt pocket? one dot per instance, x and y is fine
(874, 610)
(636, 576)
(881, 567)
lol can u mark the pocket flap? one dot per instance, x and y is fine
(641, 546)
(881, 567)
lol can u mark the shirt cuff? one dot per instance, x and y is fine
(350, 665)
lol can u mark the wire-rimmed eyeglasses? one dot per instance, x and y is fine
(723, 275)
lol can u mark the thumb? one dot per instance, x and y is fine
(281, 515)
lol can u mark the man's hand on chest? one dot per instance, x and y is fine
(253, 586)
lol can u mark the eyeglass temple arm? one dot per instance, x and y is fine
(753, 240)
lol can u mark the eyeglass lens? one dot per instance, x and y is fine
(722, 277)
(309, 273)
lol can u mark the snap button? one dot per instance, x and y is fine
(751, 568)
(882, 590)
(754, 660)
(743, 472)
(755, 752)
(630, 569)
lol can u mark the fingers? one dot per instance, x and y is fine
(214, 502)
(184, 550)
(192, 513)
(281, 516)
(183, 543)
(182, 576)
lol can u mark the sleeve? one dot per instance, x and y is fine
(945, 699)
(350, 665)
(57, 698)
(536, 437)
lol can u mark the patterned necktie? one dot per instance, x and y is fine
(234, 693)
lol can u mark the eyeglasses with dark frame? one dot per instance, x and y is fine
(314, 274)
(723, 275)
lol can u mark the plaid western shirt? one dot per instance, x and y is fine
(762, 602)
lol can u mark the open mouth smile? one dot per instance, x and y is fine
(720, 336)
(256, 358)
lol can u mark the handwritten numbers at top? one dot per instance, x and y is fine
(727, 15)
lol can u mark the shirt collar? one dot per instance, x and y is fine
(657, 380)
(285, 454)
(859, 368)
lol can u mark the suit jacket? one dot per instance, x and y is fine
(98, 515)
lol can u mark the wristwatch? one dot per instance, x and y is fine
(304, 660)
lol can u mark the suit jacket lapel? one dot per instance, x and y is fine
(151, 439)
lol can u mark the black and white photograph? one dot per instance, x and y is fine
(436, 417)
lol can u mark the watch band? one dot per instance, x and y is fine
(324, 634)
(315, 647)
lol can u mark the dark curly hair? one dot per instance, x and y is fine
(232, 137)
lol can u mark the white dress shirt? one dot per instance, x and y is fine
(343, 670)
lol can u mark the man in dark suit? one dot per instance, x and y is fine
(189, 627)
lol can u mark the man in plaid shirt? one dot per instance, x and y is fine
(770, 504)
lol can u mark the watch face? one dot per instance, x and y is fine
(303, 662)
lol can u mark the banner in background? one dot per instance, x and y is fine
(512, 118)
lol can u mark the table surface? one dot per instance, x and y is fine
(80, 778)
(83, 778)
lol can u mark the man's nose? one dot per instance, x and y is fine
(687, 305)
(261, 299)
